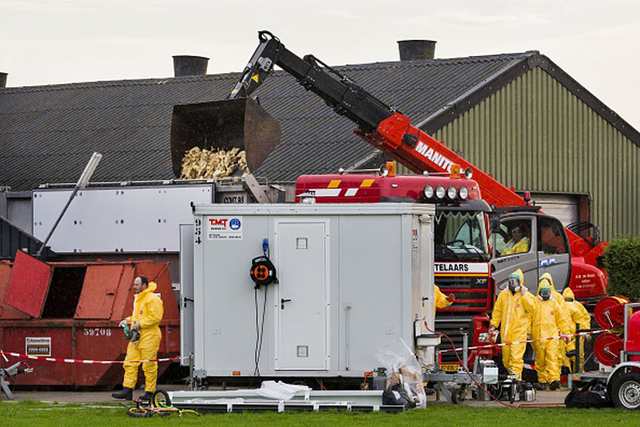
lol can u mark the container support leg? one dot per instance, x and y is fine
(5, 388)
(192, 383)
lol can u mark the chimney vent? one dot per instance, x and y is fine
(411, 50)
(3, 79)
(186, 65)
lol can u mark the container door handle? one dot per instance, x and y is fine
(282, 301)
(186, 300)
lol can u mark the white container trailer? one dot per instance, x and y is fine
(351, 279)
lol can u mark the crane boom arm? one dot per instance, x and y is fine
(378, 123)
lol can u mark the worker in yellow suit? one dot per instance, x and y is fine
(512, 312)
(555, 294)
(548, 320)
(577, 315)
(519, 242)
(146, 317)
(442, 300)
(563, 306)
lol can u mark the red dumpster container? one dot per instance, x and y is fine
(72, 310)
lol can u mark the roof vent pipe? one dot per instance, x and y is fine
(186, 65)
(3, 79)
(411, 50)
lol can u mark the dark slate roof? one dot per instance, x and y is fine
(47, 133)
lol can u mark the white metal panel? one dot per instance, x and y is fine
(228, 309)
(377, 279)
(117, 219)
(187, 238)
(302, 304)
(565, 207)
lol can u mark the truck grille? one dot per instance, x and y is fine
(460, 282)
(472, 293)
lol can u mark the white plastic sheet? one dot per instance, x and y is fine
(280, 391)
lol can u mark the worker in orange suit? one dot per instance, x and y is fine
(442, 300)
(146, 317)
(549, 319)
(512, 312)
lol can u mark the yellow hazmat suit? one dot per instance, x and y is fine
(148, 311)
(577, 315)
(563, 306)
(441, 299)
(512, 312)
(555, 294)
(547, 320)
(516, 247)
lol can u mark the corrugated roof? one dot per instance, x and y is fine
(47, 133)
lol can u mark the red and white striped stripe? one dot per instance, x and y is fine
(525, 341)
(82, 361)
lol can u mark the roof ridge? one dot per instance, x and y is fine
(114, 83)
(224, 76)
(445, 61)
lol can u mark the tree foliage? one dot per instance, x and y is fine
(622, 261)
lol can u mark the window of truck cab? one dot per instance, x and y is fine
(461, 236)
(551, 238)
(512, 237)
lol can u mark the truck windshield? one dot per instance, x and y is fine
(461, 236)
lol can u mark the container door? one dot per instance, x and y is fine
(29, 284)
(6, 311)
(98, 292)
(302, 295)
(186, 292)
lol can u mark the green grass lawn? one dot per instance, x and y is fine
(28, 413)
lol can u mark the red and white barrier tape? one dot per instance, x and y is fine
(479, 347)
(84, 362)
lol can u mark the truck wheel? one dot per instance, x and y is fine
(625, 391)
(458, 396)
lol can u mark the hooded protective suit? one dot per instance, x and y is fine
(512, 312)
(563, 306)
(148, 311)
(441, 299)
(555, 294)
(577, 315)
(547, 320)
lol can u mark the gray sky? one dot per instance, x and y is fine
(63, 41)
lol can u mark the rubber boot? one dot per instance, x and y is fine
(126, 393)
(148, 395)
(554, 385)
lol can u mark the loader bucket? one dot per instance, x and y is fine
(223, 125)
